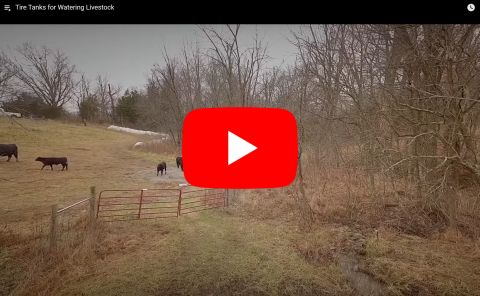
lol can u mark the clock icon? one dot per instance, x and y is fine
(471, 7)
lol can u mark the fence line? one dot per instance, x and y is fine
(55, 226)
(145, 204)
(71, 206)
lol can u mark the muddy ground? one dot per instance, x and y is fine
(173, 175)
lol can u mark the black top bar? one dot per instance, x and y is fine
(202, 12)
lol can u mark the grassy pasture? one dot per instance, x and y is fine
(210, 252)
(254, 248)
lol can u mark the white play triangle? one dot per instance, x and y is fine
(237, 148)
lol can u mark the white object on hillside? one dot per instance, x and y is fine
(139, 144)
(9, 114)
(138, 132)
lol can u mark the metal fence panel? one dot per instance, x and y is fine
(121, 205)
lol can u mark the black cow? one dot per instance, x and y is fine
(53, 161)
(178, 161)
(9, 150)
(162, 166)
(181, 163)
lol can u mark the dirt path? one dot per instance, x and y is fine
(207, 254)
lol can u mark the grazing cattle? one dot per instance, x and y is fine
(179, 159)
(162, 166)
(53, 161)
(9, 150)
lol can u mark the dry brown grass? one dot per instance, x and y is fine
(342, 196)
(417, 254)
(40, 270)
(416, 266)
(96, 156)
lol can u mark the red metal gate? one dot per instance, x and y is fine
(194, 199)
(116, 205)
(120, 205)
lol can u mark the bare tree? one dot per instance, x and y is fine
(175, 89)
(298, 102)
(320, 52)
(6, 74)
(171, 101)
(440, 99)
(241, 67)
(107, 97)
(192, 75)
(83, 91)
(45, 72)
(113, 95)
(101, 90)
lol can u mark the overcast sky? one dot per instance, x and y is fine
(126, 53)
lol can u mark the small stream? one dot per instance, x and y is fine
(363, 283)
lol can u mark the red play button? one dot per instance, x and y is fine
(240, 148)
